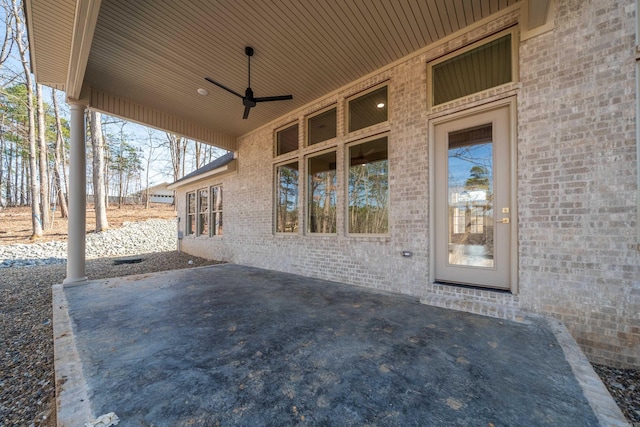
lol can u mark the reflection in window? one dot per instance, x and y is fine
(287, 140)
(191, 214)
(470, 189)
(287, 198)
(368, 109)
(369, 187)
(203, 212)
(477, 220)
(216, 211)
(321, 200)
(459, 220)
(321, 127)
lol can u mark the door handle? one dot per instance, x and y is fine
(504, 220)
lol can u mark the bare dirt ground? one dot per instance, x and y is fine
(15, 222)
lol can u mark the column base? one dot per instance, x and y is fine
(74, 280)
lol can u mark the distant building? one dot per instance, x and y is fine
(159, 194)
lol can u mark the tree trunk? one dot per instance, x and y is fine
(97, 146)
(44, 162)
(177, 148)
(198, 150)
(184, 155)
(149, 157)
(57, 162)
(24, 199)
(36, 215)
(8, 195)
(2, 157)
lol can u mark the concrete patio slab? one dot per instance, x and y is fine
(232, 345)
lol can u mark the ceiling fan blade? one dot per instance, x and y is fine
(220, 85)
(273, 98)
(246, 112)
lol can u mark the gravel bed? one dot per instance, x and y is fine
(154, 235)
(27, 389)
(27, 386)
(624, 386)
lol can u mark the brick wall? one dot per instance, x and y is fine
(578, 259)
(577, 177)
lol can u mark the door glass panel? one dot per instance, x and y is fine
(470, 196)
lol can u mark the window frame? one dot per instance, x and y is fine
(347, 111)
(200, 212)
(213, 225)
(187, 228)
(462, 50)
(307, 128)
(280, 129)
(307, 210)
(276, 200)
(347, 166)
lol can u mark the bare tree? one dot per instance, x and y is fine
(97, 146)
(2, 157)
(177, 149)
(33, 168)
(198, 153)
(151, 147)
(44, 161)
(58, 163)
(7, 42)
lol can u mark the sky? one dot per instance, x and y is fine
(160, 166)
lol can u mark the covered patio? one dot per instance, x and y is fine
(252, 346)
(234, 345)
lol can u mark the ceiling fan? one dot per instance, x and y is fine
(248, 100)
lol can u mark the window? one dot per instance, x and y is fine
(287, 140)
(322, 127)
(287, 198)
(459, 220)
(368, 109)
(368, 192)
(216, 211)
(477, 220)
(488, 65)
(203, 212)
(191, 214)
(321, 193)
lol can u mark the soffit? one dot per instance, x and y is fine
(157, 52)
(51, 42)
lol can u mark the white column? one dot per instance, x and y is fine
(77, 198)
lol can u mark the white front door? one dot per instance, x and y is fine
(473, 199)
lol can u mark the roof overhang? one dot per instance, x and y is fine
(223, 170)
(144, 61)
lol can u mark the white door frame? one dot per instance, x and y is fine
(513, 135)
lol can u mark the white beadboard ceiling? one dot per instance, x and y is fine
(157, 52)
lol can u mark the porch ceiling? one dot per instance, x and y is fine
(157, 53)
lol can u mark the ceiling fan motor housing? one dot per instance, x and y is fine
(248, 99)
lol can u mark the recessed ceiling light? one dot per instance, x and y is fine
(380, 105)
(203, 92)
